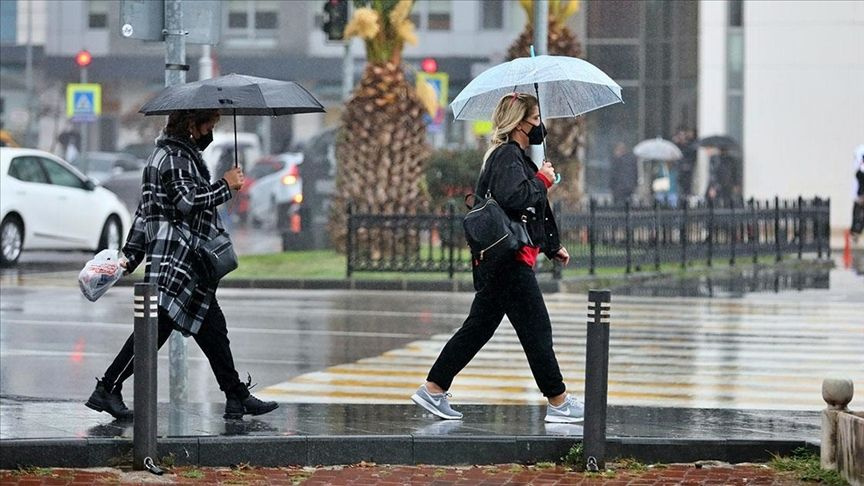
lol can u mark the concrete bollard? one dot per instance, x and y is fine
(146, 347)
(596, 379)
(837, 393)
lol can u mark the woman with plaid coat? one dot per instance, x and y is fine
(176, 213)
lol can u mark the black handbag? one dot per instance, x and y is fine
(216, 256)
(491, 233)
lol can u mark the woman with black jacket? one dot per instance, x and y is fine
(510, 287)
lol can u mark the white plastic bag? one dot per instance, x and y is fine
(100, 274)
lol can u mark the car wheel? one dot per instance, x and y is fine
(11, 240)
(111, 232)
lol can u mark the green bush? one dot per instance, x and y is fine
(450, 174)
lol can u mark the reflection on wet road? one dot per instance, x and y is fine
(763, 350)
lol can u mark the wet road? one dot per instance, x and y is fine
(763, 350)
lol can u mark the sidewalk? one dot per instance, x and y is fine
(67, 434)
(511, 474)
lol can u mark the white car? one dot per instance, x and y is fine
(219, 155)
(283, 186)
(46, 204)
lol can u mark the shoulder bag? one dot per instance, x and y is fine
(491, 233)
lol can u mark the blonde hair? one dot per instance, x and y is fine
(512, 108)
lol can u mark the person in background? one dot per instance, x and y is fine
(858, 204)
(509, 287)
(623, 173)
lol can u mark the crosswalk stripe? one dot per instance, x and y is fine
(676, 352)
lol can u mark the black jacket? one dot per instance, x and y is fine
(511, 175)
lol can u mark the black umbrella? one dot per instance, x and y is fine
(235, 94)
(722, 142)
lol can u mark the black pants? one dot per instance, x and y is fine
(857, 218)
(212, 338)
(510, 289)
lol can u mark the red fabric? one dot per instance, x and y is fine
(545, 180)
(528, 255)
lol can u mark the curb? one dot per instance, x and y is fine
(275, 451)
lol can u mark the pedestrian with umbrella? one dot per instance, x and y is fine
(177, 218)
(508, 286)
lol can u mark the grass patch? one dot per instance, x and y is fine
(630, 464)
(804, 465)
(193, 474)
(41, 472)
(545, 465)
(575, 457)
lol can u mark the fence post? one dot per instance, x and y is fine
(754, 229)
(557, 267)
(828, 228)
(656, 237)
(451, 260)
(628, 236)
(592, 237)
(349, 240)
(596, 378)
(817, 225)
(710, 230)
(733, 233)
(683, 233)
(777, 228)
(145, 343)
(800, 233)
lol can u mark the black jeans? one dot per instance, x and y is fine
(212, 339)
(857, 218)
(510, 289)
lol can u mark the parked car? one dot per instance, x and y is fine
(101, 166)
(47, 204)
(219, 155)
(282, 185)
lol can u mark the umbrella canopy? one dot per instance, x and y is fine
(719, 141)
(657, 149)
(235, 94)
(567, 87)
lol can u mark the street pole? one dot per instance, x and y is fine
(83, 126)
(541, 47)
(28, 81)
(347, 71)
(175, 73)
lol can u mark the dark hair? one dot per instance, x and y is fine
(179, 121)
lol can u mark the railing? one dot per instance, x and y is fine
(631, 238)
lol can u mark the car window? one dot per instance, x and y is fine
(262, 169)
(61, 176)
(27, 169)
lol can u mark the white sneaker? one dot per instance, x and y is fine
(569, 412)
(435, 403)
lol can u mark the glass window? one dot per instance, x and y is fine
(439, 15)
(61, 176)
(8, 19)
(736, 13)
(618, 61)
(266, 20)
(237, 20)
(613, 19)
(27, 169)
(97, 14)
(492, 14)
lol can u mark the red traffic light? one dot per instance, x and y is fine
(429, 65)
(83, 58)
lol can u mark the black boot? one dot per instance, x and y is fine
(104, 400)
(240, 402)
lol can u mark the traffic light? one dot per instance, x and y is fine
(335, 19)
(429, 65)
(83, 58)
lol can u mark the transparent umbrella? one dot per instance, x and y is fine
(657, 149)
(565, 86)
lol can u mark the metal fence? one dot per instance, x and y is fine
(630, 238)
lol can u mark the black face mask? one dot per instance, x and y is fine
(537, 134)
(203, 141)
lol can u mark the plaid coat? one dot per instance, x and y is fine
(176, 196)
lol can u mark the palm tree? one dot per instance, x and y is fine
(565, 135)
(381, 148)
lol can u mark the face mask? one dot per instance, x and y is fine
(537, 134)
(204, 141)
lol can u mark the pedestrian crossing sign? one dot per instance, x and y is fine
(83, 101)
